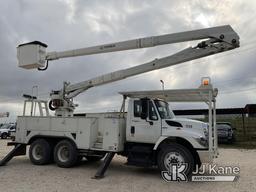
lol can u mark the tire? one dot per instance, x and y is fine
(65, 154)
(4, 136)
(178, 154)
(40, 152)
(95, 158)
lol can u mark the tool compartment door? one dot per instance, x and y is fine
(113, 134)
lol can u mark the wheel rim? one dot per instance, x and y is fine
(37, 152)
(63, 153)
(173, 158)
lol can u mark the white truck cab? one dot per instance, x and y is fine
(160, 122)
(151, 124)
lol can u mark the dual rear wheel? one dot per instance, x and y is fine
(64, 153)
(43, 152)
(40, 152)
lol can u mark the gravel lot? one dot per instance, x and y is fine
(21, 175)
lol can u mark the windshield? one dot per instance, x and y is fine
(163, 109)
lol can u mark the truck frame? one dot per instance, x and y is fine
(148, 134)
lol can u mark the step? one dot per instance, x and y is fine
(98, 145)
(99, 139)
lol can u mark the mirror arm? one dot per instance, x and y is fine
(150, 122)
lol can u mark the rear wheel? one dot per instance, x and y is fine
(171, 154)
(65, 154)
(40, 152)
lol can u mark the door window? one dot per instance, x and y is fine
(137, 108)
(152, 112)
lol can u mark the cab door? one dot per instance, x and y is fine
(143, 130)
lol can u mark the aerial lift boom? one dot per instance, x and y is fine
(221, 33)
(218, 39)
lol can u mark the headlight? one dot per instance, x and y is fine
(206, 133)
(202, 141)
(205, 125)
(206, 129)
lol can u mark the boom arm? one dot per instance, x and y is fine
(33, 54)
(219, 39)
(215, 32)
(182, 56)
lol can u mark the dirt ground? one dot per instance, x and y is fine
(20, 175)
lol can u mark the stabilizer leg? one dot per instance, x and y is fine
(103, 167)
(19, 149)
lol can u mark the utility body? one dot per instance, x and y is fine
(148, 133)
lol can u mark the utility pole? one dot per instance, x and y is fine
(162, 82)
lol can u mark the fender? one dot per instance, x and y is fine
(191, 140)
(159, 141)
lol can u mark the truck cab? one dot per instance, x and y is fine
(150, 119)
(155, 136)
(152, 126)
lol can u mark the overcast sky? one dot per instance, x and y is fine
(68, 24)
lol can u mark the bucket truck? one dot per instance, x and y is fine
(148, 134)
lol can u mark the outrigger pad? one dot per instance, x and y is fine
(103, 167)
(18, 150)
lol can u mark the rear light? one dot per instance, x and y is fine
(205, 81)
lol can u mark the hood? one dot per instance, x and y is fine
(185, 128)
(189, 123)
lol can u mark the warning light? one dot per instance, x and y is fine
(206, 81)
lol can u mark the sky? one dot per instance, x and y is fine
(71, 24)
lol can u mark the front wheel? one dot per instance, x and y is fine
(172, 154)
(65, 154)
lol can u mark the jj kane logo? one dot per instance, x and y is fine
(176, 173)
(207, 172)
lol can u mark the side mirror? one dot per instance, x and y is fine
(144, 108)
